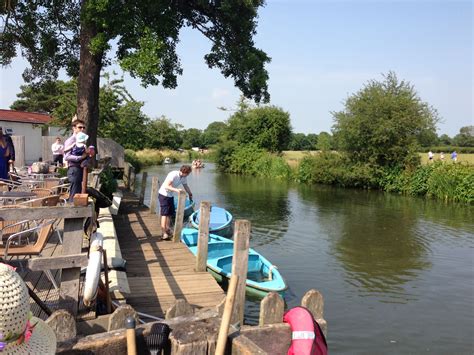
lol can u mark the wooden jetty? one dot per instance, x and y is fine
(159, 272)
(165, 280)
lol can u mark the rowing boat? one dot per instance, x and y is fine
(220, 221)
(262, 277)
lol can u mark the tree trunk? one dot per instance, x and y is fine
(88, 82)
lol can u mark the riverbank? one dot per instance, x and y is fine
(442, 180)
(149, 157)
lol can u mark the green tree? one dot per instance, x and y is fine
(161, 133)
(301, 141)
(325, 141)
(381, 123)
(445, 139)
(77, 36)
(214, 133)
(192, 137)
(267, 127)
(38, 97)
(465, 138)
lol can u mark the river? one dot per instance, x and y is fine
(396, 273)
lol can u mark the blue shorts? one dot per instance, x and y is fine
(166, 205)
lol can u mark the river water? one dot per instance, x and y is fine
(396, 273)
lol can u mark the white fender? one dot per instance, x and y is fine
(93, 269)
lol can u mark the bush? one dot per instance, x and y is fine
(251, 160)
(108, 182)
(149, 157)
(131, 157)
(454, 182)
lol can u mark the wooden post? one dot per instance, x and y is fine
(143, 188)
(85, 175)
(225, 323)
(272, 308)
(155, 185)
(72, 244)
(126, 175)
(203, 236)
(240, 266)
(108, 300)
(178, 222)
(19, 144)
(314, 302)
(132, 179)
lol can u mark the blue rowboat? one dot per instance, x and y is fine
(188, 207)
(262, 277)
(220, 221)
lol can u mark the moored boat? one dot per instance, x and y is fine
(262, 276)
(220, 221)
(188, 207)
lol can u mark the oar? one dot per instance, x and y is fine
(226, 316)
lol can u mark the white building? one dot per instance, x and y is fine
(33, 126)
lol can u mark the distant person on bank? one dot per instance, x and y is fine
(74, 169)
(58, 152)
(165, 196)
(454, 156)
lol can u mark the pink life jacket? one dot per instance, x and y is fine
(307, 337)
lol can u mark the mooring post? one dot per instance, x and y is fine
(240, 266)
(313, 300)
(126, 175)
(272, 308)
(132, 179)
(203, 236)
(178, 222)
(143, 188)
(154, 194)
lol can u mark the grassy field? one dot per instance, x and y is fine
(292, 157)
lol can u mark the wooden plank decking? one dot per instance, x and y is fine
(159, 272)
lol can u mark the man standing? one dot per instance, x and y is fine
(165, 196)
(58, 152)
(74, 170)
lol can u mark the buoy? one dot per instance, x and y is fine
(93, 269)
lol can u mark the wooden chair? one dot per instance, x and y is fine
(42, 192)
(50, 183)
(7, 228)
(44, 202)
(63, 191)
(43, 230)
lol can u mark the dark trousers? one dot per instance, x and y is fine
(58, 158)
(74, 175)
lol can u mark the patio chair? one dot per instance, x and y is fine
(43, 230)
(42, 192)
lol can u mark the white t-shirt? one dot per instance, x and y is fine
(57, 148)
(175, 179)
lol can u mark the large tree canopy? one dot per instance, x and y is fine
(381, 124)
(267, 127)
(77, 35)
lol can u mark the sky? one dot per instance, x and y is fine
(322, 52)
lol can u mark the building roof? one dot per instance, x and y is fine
(25, 117)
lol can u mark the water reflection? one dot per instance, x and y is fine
(375, 241)
(263, 202)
